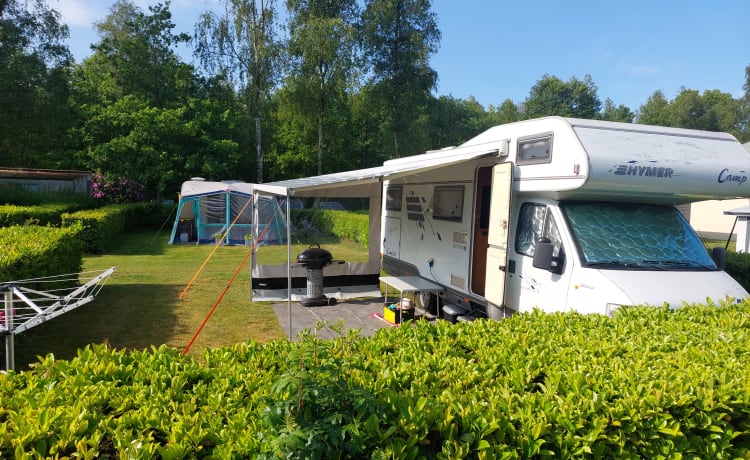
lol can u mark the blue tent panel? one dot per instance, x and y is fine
(207, 209)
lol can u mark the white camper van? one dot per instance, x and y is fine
(562, 214)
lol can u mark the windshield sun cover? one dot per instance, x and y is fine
(635, 236)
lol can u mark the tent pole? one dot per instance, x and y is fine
(289, 265)
(227, 217)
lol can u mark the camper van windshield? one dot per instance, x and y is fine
(635, 236)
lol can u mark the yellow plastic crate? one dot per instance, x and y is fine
(397, 316)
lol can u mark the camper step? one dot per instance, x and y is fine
(451, 312)
(471, 316)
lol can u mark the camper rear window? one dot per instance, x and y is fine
(448, 203)
(535, 150)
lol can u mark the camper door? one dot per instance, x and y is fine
(497, 246)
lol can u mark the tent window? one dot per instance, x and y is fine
(214, 208)
(243, 206)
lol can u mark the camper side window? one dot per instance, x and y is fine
(535, 221)
(534, 150)
(393, 198)
(448, 203)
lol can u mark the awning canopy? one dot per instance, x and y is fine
(741, 212)
(364, 182)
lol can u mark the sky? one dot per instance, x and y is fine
(493, 50)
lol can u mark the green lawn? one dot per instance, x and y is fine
(139, 306)
(720, 243)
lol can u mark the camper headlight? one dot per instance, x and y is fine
(611, 307)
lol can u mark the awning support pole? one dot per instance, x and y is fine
(731, 232)
(289, 265)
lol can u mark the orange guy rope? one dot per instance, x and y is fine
(223, 293)
(211, 254)
(218, 301)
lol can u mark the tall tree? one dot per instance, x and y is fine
(34, 69)
(242, 44)
(745, 109)
(507, 112)
(454, 121)
(145, 115)
(137, 51)
(552, 96)
(617, 113)
(710, 111)
(655, 111)
(322, 47)
(399, 36)
(690, 110)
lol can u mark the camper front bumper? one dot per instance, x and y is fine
(611, 307)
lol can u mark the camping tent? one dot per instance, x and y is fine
(207, 209)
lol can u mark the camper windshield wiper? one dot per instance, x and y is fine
(614, 264)
(655, 264)
(678, 264)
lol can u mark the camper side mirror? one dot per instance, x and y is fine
(719, 255)
(543, 254)
(543, 258)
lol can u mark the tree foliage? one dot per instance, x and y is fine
(350, 87)
(655, 111)
(710, 111)
(323, 58)
(507, 112)
(744, 125)
(453, 121)
(34, 65)
(552, 96)
(137, 52)
(154, 121)
(398, 37)
(619, 113)
(242, 45)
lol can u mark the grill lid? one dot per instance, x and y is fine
(314, 255)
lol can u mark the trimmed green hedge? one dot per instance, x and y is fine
(48, 214)
(738, 267)
(18, 195)
(33, 252)
(343, 224)
(147, 215)
(647, 383)
(102, 226)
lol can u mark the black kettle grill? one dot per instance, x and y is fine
(314, 259)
